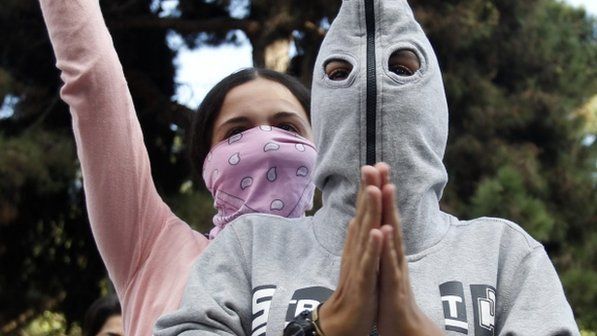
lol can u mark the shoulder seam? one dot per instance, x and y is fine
(242, 250)
(532, 243)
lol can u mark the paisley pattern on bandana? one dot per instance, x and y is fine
(261, 170)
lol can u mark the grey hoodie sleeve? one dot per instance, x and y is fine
(217, 299)
(534, 302)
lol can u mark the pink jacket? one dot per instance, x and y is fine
(146, 248)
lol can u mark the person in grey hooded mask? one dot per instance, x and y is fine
(377, 96)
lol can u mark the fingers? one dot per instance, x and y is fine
(384, 171)
(393, 275)
(347, 253)
(370, 262)
(352, 307)
(369, 177)
(371, 238)
(366, 177)
(389, 258)
(368, 211)
(368, 216)
(372, 218)
(362, 249)
(356, 298)
(398, 310)
(391, 217)
(377, 175)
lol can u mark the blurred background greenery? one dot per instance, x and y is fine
(521, 78)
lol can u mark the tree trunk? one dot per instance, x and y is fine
(272, 55)
(310, 48)
(277, 55)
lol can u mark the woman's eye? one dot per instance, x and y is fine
(288, 127)
(404, 62)
(337, 70)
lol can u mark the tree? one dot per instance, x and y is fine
(47, 255)
(516, 74)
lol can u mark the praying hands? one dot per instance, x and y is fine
(374, 286)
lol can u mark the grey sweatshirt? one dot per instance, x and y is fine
(479, 277)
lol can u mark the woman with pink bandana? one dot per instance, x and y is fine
(255, 123)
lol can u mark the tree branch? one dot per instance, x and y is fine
(250, 27)
(312, 27)
(142, 87)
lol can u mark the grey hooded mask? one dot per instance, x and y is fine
(377, 115)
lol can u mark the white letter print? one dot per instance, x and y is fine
(487, 310)
(262, 300)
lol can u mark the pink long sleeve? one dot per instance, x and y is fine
(147, 250)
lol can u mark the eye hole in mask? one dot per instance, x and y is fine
(337, 69)
(404, 62)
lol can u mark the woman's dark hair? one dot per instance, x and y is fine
(203, 120)
(99, 312)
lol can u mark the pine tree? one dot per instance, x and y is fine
(516, 74)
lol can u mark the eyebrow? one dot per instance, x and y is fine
(236, 120)
(275, 117)
(284, 115)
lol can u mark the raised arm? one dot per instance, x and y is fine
(125, 211)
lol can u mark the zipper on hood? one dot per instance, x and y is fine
(371, 83)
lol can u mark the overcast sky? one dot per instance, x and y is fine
(201, 69)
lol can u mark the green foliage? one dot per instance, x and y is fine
(48, 259)
(517, 74)
(583, 280)
(506, 196)
(50, 324)
(42, 223)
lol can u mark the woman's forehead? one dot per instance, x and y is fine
(259, 98)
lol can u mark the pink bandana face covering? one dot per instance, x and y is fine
(261, 170)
